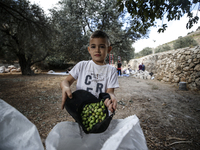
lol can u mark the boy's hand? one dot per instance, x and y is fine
(111, 103)
(66, 92)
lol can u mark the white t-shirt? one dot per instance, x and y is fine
(94, 78)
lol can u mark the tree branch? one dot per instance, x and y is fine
(2, 4)
(37, 23)
(88, 24)
(39, 60)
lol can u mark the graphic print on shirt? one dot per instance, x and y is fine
(94, 83)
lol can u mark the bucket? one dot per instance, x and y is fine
(183, 86)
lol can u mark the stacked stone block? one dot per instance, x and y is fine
(173, 66)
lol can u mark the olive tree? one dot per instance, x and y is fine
(76, 20)
(25, 33)
(147, 11)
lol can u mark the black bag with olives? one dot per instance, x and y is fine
(88, 111)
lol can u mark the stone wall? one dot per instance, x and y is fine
(173, 66)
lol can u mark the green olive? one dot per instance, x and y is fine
(99, 110)
(92, 114)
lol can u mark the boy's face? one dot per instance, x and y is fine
(99, 49)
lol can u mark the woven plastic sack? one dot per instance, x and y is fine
(16, 131)
(122, 134)
(75, 106)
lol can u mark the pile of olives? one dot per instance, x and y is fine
(92, 114)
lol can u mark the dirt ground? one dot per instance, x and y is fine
(169, 118)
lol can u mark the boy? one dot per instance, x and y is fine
(94, 75)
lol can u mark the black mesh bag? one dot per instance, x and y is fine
(81, 98)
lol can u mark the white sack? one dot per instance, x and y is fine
(16, 131)
(2, 69)
(121, 134)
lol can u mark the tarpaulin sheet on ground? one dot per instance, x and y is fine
(57, 73)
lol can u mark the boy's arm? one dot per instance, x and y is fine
(66, 91)
(111, 103)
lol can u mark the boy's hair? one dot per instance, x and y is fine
(100, 34)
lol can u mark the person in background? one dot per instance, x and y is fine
(119, 65)
(140, 67)
(128, 71)
(143, 67)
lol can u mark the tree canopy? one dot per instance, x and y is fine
(76, 20)
(182, 42)
(29, 36)
(25, 33)
(147, 11)
(162, 48)
(144, 52)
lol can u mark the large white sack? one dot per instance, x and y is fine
(16, 131)
(121, 134)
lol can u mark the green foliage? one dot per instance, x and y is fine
(198, 28)
(147, 12)
(162, 48)
(190, 32)
(146, 51)
(25, 33)
(28, 35)
(71, 42)
(182, 42)
(76, 20)
(137, 55)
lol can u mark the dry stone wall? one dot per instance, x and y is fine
(181, 65)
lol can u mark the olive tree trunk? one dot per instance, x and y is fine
(25, 65)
